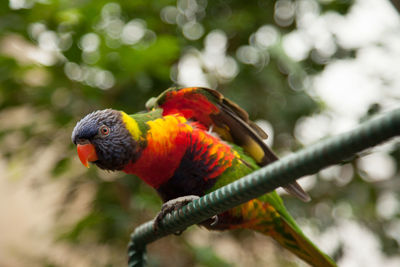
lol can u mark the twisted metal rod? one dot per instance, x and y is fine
(284, 171)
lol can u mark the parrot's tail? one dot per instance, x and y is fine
(262, 217)
(297, 243)
(259, 215)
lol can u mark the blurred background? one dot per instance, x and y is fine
(303, 69)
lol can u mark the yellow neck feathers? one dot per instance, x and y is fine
(131, 125)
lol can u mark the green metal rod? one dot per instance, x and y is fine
(284, 171)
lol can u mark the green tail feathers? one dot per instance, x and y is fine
(297, 243)
(268, 216)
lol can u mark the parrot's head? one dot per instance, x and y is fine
(103, 138)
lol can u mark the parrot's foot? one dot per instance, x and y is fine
(175, 204)
(170, 206)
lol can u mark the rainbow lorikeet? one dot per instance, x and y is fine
(191, 142)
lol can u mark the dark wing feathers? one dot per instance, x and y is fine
(237, 111)
(258, 130)
(232, 123)
(247, 134)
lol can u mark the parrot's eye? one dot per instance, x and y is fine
(104, 131)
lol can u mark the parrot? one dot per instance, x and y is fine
(189, 142)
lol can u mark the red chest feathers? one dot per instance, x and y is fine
(171, 141)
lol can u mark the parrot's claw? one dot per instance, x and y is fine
(215, 220)
(170, 206)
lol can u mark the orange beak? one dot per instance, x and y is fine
(86, 153)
